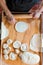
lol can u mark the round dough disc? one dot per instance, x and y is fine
(12, 56)
(30, 58)
(35, 43)
(6, 57)
(24, 47)
(17, 44)
(4, 31)
(21, 26)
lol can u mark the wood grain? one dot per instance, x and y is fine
(34, 27)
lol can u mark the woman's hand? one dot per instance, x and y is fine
(9, 16)
(11, 19)
(38, 13)
(37, 10)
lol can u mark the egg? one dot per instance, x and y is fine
(5, 51)
(17, 51)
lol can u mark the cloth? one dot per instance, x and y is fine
(21, 5)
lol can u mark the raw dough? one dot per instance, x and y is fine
(17, 44)
(24, 47)
(4, 31)
(6, 57)
(30, 58)
(12, 56)
(9, 41)
(35, 43)
(9, 49)
(21, 26)
(17, 51)
(5, 51)
(5, 46)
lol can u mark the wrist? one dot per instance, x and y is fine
(9, 16)
(7, 12)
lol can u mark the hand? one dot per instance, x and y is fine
(11, 19)
(38, 13)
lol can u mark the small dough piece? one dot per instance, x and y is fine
(20, 55)
(6, 57)
(21, 26)
(30, 58)
(5, 46)
(35, 43)
(4, 31)
(17, 44)
(6, 51)
(24, 47)
(17, 51)
(9, 49)
(9, 41)
(12, 56)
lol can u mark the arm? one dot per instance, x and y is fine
(40, 10)
(4, 7)
(37, 10)
(38, 13)
(7, 12)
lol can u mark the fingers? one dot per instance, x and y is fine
(11, 22)
(38, 13)
(11, 19)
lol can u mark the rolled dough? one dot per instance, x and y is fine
(35, 43)
(4, 31)
(21, 26)
(30, 58)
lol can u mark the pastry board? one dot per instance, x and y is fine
(24, 37)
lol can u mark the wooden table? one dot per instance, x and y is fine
(23, 37)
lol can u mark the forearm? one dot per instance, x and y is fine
(4, 7)
(9, 16)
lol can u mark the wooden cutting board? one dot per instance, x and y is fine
(23, 37)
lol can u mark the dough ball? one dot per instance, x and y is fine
(5, 46)
(12, 56)
(9, 41)
(17, 44)
(6, 57)
(24, 47)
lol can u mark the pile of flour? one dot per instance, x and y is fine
(4, 31)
